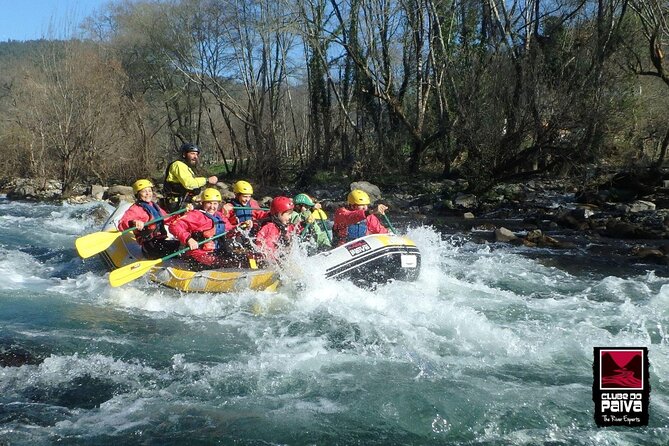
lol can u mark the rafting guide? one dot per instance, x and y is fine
(621, 388)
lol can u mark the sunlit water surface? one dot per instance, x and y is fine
(489, 346)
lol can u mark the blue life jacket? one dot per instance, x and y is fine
(158, 230)
(242, 214)
(219, 226)
(356, 231)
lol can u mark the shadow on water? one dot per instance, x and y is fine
(18, 353)
(84, 392)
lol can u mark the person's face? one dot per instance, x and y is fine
(191, 158)
(244, 198)
(145, 194)
(210, 207)
(284, 218)
(360, 206)
(299, 208)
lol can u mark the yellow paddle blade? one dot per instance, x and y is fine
(94, 243)
(131, 272)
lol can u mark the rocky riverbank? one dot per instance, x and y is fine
(541, 212)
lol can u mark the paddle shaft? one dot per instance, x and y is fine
(246, 208)
(184, 250)
(90, 244)
(156, 220)
(390, 225)
(135, 270)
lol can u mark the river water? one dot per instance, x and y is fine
(490, 346)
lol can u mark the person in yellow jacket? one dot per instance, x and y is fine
(181, 184)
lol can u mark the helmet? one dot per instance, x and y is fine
(189, 147)
(242, 187)
(303, 199)
(280, 205)
(211, 194)
(358, 196)
(141, 185)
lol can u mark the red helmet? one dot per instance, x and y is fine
(280, 205)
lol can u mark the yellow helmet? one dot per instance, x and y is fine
(211, 194)
(242, 187)
(358, 196)
(141, 185)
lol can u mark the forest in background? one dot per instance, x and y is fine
(296, 90)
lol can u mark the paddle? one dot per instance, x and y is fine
(136, 270)
(305, 231)
(91, 244)
(246, 208)
(388, 224)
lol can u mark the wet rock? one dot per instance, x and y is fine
(97, 191)
(227, 195)
(119, 190)
(36, 189)
(372, 190)
(650, 255)
(100, 215)
(621, 229)
(23, 192)
(468, 215)
(79, 199)
(117, 199)
(466, 201)
(504, 235)
(641, 206)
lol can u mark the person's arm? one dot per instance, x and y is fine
(184, 175)
(345, 217)
(374, 225)
(256, 213)
(183, 227)
(133, 214)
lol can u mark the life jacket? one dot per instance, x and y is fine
(242, 214)
(357, 230)
(175, 194)
(153, 231)
(217, 228)
(352, 232)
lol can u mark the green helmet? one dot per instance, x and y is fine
(303, 199)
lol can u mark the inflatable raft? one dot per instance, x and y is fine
(368, 261)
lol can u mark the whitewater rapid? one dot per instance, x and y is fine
(490, 346)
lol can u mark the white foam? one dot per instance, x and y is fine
(22, 271)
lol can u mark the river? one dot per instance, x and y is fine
(491, 346)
